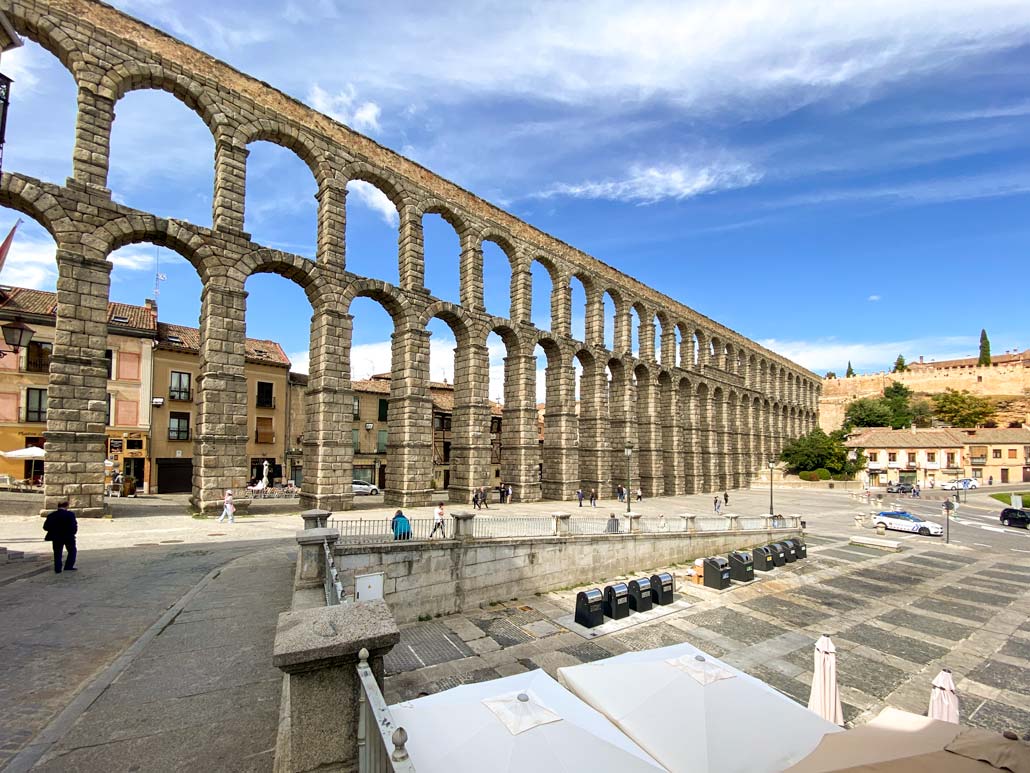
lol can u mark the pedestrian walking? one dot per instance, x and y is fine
(579, 496)
(640, 494)
(717, 505)
(484, 498)
(400, 526)
(61, 527)
(593, 497)
(501, 491)
(990, 480)
(438, 524)
(228, 508)
(475, 499)
(726, 498)
(509, 494)
(618, 491)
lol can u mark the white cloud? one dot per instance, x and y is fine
(345, 108)
(873, 298)
(299, 361)
(374, 199)
(31, 263)
(830, 353)
(649, 184)
(21, 66)
(132, 261)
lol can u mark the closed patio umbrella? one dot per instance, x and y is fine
(824, 699)
(943, 699)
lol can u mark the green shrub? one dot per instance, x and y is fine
(823, 473)
(808, 475)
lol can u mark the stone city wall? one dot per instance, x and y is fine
(447, 576)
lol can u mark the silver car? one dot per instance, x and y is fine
(363, 487)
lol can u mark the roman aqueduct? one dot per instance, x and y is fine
(702, 407)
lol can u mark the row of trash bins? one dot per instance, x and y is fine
(741, 565)
(619, 599)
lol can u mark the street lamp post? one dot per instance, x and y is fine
(629, 475)
(771, 466)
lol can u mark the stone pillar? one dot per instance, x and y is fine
(720, 441)
(593, 326)
(689, 522)
(622, 431)
(594, 471)
(332, 224)
(470, 271)
(409, 449)
(470, 423)
(668, 347)
(315, 519)
(462, 528)
(649, 453)
(521, 295)
(705, 437)
(634, 522)
(560, 455)
(318, 649)
(411, 249)
(76, 442)
(520, 449)
(561, 306)
(230, 186)
(311, 561)
(220, 440)
(561, 524)
(691, 452)
(646, 338)
(328, 408)
(623, 331)
(672, 438)
(92, 144)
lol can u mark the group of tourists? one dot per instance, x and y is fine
(593, 497)
(623, 493)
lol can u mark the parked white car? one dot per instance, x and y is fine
(363, 487)
(960, 483)
(900, 520)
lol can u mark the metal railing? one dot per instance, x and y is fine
(747, 522)
(381, 741)
(530, 526)
(711, 523)
(358, 531)
(334, 593)
(594, 526)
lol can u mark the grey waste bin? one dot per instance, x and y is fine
(778, 554)
(589, 611)
(763, 558)
(640, 595)
(616, 600)
(742, 566)
(790, 554)
(717, 573)
(662, 587)
(800, 548)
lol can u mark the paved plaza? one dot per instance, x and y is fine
(166, 631)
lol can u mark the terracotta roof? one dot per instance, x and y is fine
(40, 302)
(989, 435)
(178, 338)
(882, 437)
(970, 362)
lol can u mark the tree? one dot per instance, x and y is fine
(850, 373)
(868, 412)
(922, 413)
(818, 450)
(899, 365)
(830, 374)
(985, 349)
(962, 409)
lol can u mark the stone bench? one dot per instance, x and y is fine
(891, 545)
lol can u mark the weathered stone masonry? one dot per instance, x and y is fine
(699, 419)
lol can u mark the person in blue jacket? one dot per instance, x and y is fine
(400, 526)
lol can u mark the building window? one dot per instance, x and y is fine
(265, 432)
(911, 457)
(446, 452)
(996, 453)
(134, 444)
(178, 426)
(109, 361)
(179, 386)
(107, 415)
(951, 459)
(357, 407)
(37, 357)
(1012, 453)
(381, 441)
(892, 456)
(495, 426)
(382, 408)
(931, 456)
(35, 405)
(265, 398)
(356, 439)
(873, 456)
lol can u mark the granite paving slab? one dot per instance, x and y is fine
(976, 596)
(967, 612)
(472, 677)
(787, 611)
(844, 555)
(838, 602)
(650, 637)
(586, 652)
(503, 631)
(994, 673)
(1022, 569)
(994, 715)
(942, 629)
(735, 625)
(994, 585)
(905, 647)
(889, 576)
(853, 585)
(1017, 648)
(795, 689)
(953, 557)
(872, 677)
(1022, 579)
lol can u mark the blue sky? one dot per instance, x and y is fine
(838, 181)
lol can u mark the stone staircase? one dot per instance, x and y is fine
(10, 555)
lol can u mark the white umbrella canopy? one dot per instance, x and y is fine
(943, 698)
(698, 715)
(525, 722)
(32, 452)
(824, 699)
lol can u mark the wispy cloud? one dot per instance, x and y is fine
(345, 107)
(31, 263)
(873, 298)
(373, 198)
(830, 353)
(650, 184)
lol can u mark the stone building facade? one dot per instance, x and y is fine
(700, 408)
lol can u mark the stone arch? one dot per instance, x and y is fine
(282, 134)
(135, 76)
(386, 295)
(294, 268)
(25, 196)
(593, 317)
(47, 32)
(592, 421)
(173, 234)
(454, 316)
(463, 268)
(502, 239)
(393, 189)
(554, 272)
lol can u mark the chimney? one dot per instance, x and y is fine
(920, 359)
(151, 304)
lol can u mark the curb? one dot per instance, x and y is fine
(31, 569)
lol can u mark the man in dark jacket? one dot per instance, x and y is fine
(60, 527)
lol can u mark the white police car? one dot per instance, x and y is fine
(899, 520)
